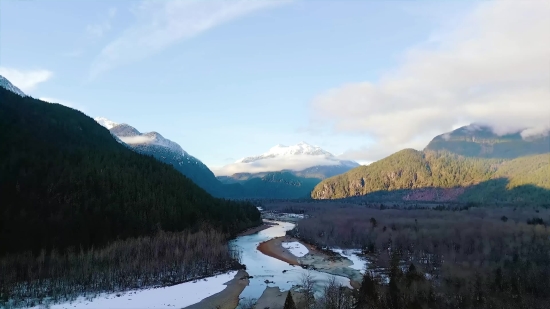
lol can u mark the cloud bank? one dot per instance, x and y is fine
(25, 80)
(138, 139)
(295, 163)
(160, 24)
(493, 68)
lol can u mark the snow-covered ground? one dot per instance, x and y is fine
(352, 254)
(177, 296)
(296, 248)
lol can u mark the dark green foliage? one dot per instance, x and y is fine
(367, 296)
(289, 302)
(279, 185)
(535, 221)
(66, 182)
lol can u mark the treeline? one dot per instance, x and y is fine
(66, 182)
(159, 260)
(474, 258)
(520, 179)
(82, 213)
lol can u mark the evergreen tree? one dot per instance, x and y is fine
(367, 295)
(289, 302)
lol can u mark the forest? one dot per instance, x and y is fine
(457, 177)
(70, 191)
(447, 256)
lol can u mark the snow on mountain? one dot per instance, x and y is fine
(164, 150)
(106, 122)
(301, 148)
(5, 83)
(297, 157)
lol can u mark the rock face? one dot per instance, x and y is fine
(470, 163)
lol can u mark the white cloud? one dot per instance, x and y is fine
(25, 80)
(295, 163)
(100, 29)
(160, 24)
(138, 139)
(493, 68)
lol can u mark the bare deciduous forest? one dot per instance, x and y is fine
(438, 257)
(159, 260)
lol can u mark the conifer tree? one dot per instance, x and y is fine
(289, 302)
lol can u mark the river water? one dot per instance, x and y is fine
(262, 267)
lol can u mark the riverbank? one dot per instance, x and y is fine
(274, 249)
(273, 298)
(315, 259)
(256, 229)
(229, 297)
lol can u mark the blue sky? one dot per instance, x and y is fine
(229, 79)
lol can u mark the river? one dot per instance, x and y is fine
(262, 267)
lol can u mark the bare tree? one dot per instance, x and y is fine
(308, 289)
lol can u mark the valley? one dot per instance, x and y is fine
(309, 241)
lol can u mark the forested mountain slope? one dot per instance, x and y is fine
(66, 182)
(167, 151)
(468, 167)
(481, 142)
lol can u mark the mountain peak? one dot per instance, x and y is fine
(298, 157)
(302, 148)
(106, 122)
(5, 83)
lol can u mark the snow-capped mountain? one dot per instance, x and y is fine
(164, 150)
(301, 148)
(5, 83)
(106, 122)
(302, 159)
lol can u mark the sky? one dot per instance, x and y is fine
(231, 79)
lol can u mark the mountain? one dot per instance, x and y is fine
(302, 160)
(169, 152)
(469, 164)
(285, 172)
(6, 84)
(481, 142)
(278, 185)
(65, 182)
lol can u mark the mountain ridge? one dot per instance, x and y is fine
(464, 158)
(302, 160)
(66, 182)
(6, 84)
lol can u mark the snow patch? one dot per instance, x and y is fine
(106, 122)
(177, 296)
(280, 157)
(5, 83)
(296, 248)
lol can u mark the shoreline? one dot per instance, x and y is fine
(315, 259)
(228, 298)
(257, 229)
(274, 249)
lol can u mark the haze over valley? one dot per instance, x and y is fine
(275, 154)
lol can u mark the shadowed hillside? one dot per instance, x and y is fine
(66, 182)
